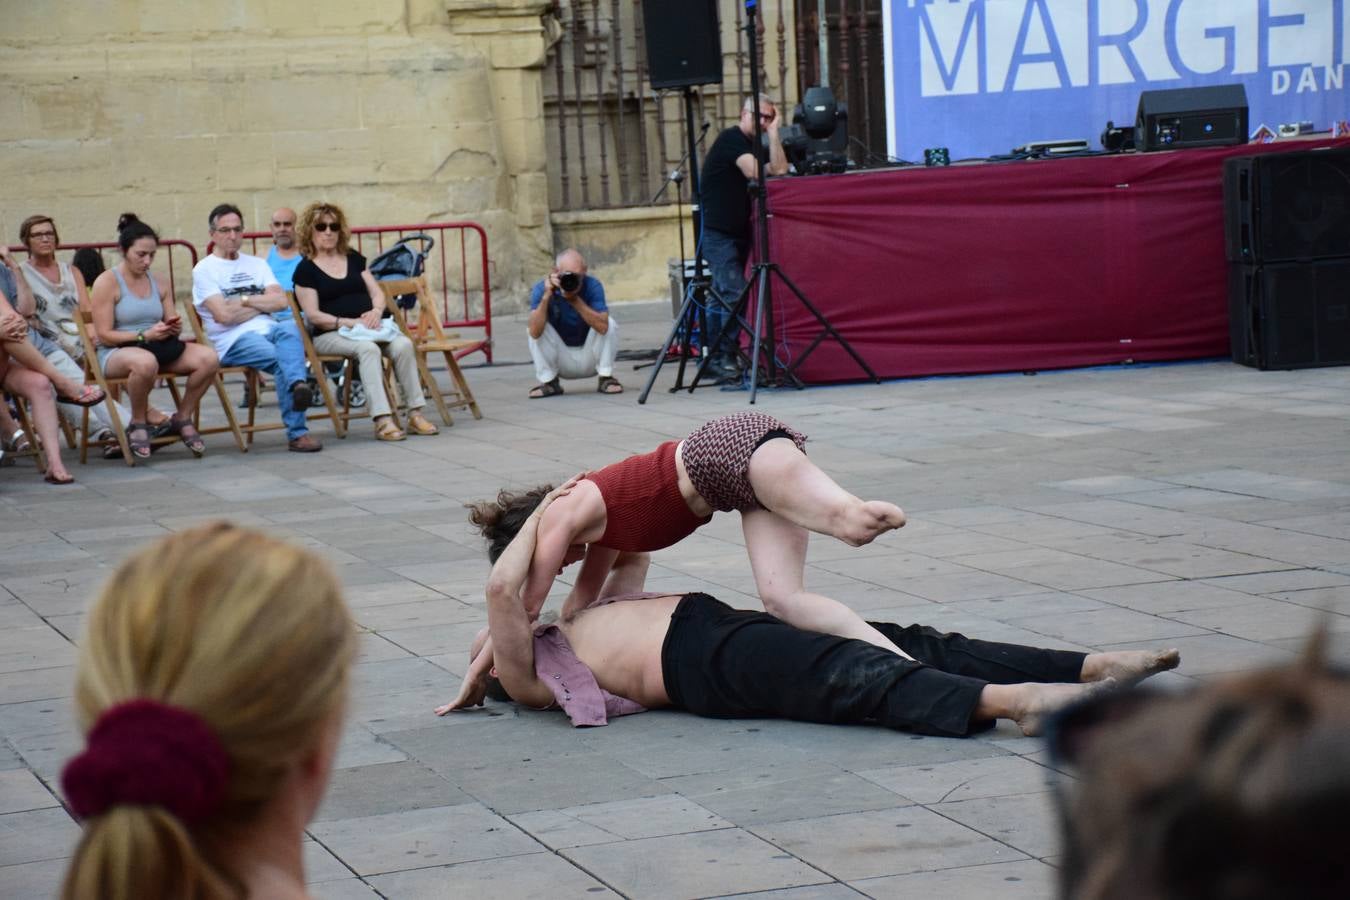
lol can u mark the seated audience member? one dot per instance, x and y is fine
(34, 387)
(346, 308)
(694, 652)
(571, 332)
(235, 294)
(1235, 790)
(284, 255)
(210, 688)
(26, 373)
(13, 290)
(138, 329)
(282, 259)
(54, 296)
(89, 263)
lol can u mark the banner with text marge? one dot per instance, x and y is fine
(983, 76)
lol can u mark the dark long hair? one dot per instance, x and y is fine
(499, 520)
(131, 229)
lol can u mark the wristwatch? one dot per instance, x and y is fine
(140, 336)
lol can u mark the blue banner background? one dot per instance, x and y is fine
(983, 76)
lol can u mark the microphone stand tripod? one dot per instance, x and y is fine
(676, 177)
(699, 287)
(762, 344)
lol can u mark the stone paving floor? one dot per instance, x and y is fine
(1204, 506)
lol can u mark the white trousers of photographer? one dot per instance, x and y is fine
(554, 359)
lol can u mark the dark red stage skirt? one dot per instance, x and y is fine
(1007, 267)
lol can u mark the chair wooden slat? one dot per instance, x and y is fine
(84, 323)
(428, 337)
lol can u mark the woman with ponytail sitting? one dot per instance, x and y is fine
(211, 687)
(138, 330)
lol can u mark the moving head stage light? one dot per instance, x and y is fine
(817, 140)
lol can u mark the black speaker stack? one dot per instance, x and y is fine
(1287, 218)
(684, 42)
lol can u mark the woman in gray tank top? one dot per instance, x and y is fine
(138, 330)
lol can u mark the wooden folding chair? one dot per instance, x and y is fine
(341, 417)
(84, 322)
(25, 423)
(429, 337)
(243, 434)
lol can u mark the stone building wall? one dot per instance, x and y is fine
(399, 110)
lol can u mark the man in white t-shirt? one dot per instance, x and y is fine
(235, 294)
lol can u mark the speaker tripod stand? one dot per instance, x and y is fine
(766, 270)
(699, 290)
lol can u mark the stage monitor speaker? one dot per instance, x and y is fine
(1287, 206)
(1290, 315)
(684, 43)
(1191, 117)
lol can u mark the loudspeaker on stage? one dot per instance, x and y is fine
(684, 42)
(1290, 315)
(1280, 207)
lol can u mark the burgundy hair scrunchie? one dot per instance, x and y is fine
(147, 753)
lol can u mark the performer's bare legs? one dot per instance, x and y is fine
(1128, 666)
(1028, 704)
(777, 551)
(786, 481)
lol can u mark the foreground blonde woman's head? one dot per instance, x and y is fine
(212, 679)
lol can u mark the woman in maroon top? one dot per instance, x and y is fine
(747, 461)
(337, 293)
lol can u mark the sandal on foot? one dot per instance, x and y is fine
(138, 439)
(420, 424)
(188, 434)
(92, 395)
(608, 384)
(546, 389)
(388, 431)
(18, 442)
(52, 479)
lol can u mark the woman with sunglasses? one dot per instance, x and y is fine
(345, 307)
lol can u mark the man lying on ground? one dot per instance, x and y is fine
(693, 652)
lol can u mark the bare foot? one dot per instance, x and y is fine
(871, 520)
(1129, 666)
(57, 474)
(1036, 701)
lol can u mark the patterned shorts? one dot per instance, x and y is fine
(717, 457)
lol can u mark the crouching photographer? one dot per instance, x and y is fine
(571, 332)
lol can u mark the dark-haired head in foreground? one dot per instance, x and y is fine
(1238, 790)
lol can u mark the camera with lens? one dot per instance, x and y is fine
(569, 281)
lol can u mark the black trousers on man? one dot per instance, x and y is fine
(735, 663)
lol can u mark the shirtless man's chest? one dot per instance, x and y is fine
(621, 644)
